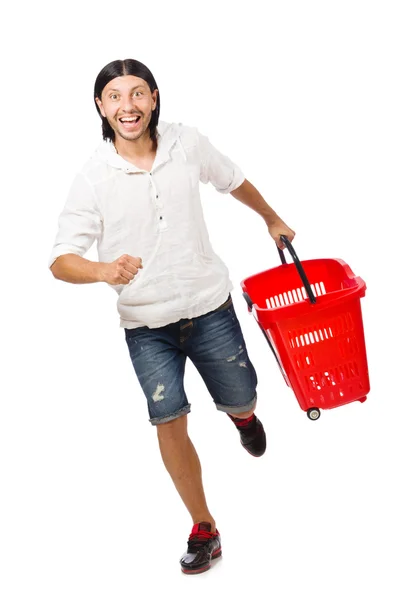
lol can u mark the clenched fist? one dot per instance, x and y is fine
(122, 270)
(277, 228)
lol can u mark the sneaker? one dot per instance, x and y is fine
(252, 434)
(202, 547)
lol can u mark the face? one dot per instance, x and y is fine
(127, 103)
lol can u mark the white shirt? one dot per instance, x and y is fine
(157, 216)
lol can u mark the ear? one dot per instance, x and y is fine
(100, 105)
(154, 99)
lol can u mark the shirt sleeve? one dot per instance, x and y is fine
(217, 168)
(80, 222)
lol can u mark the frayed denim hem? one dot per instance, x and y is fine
(236, 409)
(179, 413)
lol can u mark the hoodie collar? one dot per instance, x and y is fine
(168, 136)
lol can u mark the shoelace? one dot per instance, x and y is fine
(198, 540)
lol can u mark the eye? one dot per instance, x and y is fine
(113, 96)
(136, 93)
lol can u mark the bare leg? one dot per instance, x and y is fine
(182, 463)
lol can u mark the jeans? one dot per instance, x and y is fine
(214, 343)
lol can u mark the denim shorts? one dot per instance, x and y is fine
(214, 343)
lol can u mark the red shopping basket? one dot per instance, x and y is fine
(316, 331)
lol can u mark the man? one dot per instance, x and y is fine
(138, 197)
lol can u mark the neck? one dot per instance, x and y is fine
(134, 149)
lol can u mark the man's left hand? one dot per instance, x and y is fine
(280, 228)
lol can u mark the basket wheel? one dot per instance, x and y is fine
(313, 414)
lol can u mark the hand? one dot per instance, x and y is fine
(122, 270)
(280, 228)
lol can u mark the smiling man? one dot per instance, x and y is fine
(138, 198)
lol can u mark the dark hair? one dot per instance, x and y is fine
(119, 68)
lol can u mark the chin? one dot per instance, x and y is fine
(130, 137)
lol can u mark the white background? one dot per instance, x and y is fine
(302, 95)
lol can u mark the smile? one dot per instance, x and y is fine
(130, 123)
(130, 119)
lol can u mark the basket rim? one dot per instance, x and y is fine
(290, 266)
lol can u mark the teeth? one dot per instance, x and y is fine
(129, 119)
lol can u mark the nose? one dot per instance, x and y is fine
(127, 104)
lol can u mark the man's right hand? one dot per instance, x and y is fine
(122, 270)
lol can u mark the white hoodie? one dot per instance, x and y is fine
(157, 216)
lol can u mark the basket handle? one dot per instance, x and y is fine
(298, 265)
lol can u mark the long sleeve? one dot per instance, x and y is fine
(80, 223)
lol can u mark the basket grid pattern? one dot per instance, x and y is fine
(296, 295)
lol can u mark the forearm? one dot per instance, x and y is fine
(249, 195)
(75, 269)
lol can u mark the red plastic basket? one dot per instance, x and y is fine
(315, 331)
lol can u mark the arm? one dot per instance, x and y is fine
(249, 195)
(76, 269)
(227, 177)
(80, 224)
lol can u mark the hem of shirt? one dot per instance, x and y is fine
(194, 311)
(236, 184)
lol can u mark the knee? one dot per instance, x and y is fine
(245, 414)
(175, 429)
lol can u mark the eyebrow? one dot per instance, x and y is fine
(131, 90)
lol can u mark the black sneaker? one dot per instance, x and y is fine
(202, 547)
(252, 434)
